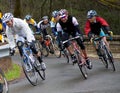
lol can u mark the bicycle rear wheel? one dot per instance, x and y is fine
(3, 83)
(39, 70)
(30, 72)
(82, 67)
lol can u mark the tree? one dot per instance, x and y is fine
(17, 9)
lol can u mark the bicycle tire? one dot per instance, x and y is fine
(29, 73)
(39, 70)
(104, 56)
(45, 51)
(57, 51)
(38, 46)
(110, 59)
(3, 83)
(82, 67)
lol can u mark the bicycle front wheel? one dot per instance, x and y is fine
(110, 59)
(30, 73)
(103, 57)
(82, 67)
(39, 70)
(3, 83)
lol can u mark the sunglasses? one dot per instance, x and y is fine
(63, 17)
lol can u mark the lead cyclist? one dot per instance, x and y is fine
(19, 28)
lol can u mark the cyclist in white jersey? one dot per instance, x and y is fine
(18, 27)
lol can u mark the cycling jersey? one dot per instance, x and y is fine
(52, 22)
(21, 30)
(42, 26)
(69, 26)
(96, 26)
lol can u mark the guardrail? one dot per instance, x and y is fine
(4, 50)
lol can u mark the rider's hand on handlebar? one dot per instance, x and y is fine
(110, 33)
(12, 51)
(91, 40)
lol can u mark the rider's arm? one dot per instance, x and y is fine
(25, 30)
(87, 28)
(76, 24)
(59, 30)
(10, 37)
(105, 25)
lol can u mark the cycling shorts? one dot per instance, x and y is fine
(102, 33)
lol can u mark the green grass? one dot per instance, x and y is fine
(13, 73)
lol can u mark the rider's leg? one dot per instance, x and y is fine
(38, 54)
(83, 48)
(106, 42)
(20, 45)
(67, 45)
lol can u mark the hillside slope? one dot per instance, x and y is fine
(109, 9)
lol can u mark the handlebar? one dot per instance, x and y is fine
(71, 39)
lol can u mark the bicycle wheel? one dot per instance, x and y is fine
(44, 51)
(103, 56)
(3, 83)
(39, 70)
(30, 72)
(57, 49)
(38, 46)
(110, 59)
(65, 55)
(82, 67)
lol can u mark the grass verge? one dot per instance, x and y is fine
(13, 73)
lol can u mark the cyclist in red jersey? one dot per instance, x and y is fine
(98, 26)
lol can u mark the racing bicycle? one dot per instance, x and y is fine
(31, 66)
(80, 58)
(105, 54)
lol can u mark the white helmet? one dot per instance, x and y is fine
(7, 17)
(91, 14)
(45, 18)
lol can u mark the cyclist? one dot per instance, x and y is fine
(54, 20)
(67, 26)
(18, 27)
(31, 22)
(43, 25)
(98, 26)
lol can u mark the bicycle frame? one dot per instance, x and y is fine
(75, 47)
(26, 54)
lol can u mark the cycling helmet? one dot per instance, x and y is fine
(28, 17)
(63, 11)
(91, 14)
(7, 17)
(55, 13)
(45, 18)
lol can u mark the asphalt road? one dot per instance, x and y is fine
(62, 77)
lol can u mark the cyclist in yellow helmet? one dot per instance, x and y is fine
(31, 22)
